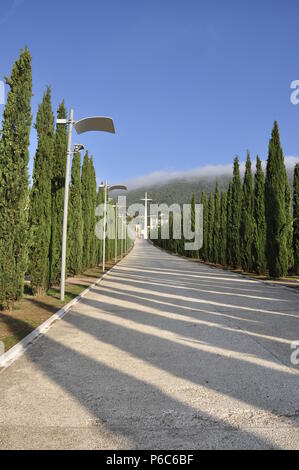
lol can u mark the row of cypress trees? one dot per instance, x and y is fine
(31, 219)
(47, 201)
(255, 223)
(84, 249)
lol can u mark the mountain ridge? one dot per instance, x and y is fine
(180, 191)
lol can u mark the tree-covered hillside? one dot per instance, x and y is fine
(181, 191)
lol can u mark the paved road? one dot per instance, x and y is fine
(164, 353)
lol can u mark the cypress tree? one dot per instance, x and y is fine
(289, 223)
(296, 219)
(86, 210)
(75, 220)
(223, 229)
(58, 182)
(40, 198)
(93, 204)
(99, 242)
(236, 207)
(181, 244)
(247, 220)
(204, 250)
(259, 237)
(172, 242)
(275, 205)
(216, 231)
(229, 224)
(110, 241)
(193, 253)
(211, 227)
(158, 242)
(14, 157)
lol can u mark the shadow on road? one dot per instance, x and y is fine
(167, 365)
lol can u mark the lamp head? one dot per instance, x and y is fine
(118, 186)
(78, 148)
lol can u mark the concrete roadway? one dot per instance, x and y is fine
(164, 353)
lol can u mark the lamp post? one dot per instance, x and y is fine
(121, 216)
(145, 215)
(108, 188)
(126, 239)
(96, 123)
(116, 231)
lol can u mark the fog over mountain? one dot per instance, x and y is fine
(178, 186)
(208, 171)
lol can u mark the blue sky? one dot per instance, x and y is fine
(189, 83)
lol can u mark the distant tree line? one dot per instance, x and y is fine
(32, 218)
(254, 225)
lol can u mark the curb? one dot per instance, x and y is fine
(19, 349)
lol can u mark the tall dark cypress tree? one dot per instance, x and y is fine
(181, 242)
(236, 207)
(110, 241)
(99, 242)
(216, 231)
(86, 211)
(40, 198)
(204, 250)
(289, 223)
(173, 246)
(58, 182)
(223, 228)
(211, 227)
(247, 220)
(75, 220)
(193, 253)
(93, 204)
(275, 205)
(14, 157)
(229, 225)
(296, 219)
(259, 234)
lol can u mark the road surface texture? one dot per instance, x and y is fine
(164, 353)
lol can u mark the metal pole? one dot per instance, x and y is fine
(104, 235)
(122, 235)
(145, 217)
(116, 234)
(66, 200)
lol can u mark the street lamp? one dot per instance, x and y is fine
(96, 123)
(116, 231)
(120, 216)
(117, 216)
(78, 148)
(106, 189)
(146, 200)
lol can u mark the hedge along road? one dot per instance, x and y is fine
(163, 353)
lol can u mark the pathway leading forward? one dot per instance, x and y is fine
(164, 353)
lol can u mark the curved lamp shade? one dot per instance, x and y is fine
(118, 186)
(96, 123)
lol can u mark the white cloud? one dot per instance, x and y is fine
(208, 171)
